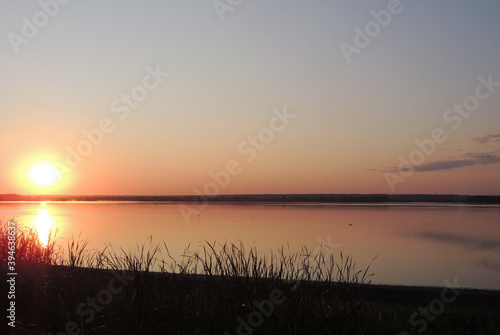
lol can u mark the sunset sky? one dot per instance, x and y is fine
(158, 97)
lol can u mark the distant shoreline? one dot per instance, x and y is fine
(270, 198)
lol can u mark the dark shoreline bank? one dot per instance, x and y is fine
(382, 293)
(272, 198)
(53, 297)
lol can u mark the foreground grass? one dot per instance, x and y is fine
(214, 289)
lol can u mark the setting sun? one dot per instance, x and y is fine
(44, 174)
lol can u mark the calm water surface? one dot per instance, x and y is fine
(415, 244)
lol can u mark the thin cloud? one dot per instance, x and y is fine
(488, 264)
(468, 159)
(487, 138)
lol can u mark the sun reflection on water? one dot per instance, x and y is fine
(43, 225)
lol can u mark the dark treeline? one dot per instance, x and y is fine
(270, 198)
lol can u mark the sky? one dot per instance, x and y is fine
(233, 97)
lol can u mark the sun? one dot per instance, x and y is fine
(44, 174)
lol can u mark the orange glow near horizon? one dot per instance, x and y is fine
(41, 173)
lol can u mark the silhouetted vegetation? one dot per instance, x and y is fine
(216, 288)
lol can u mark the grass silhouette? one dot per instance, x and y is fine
(214, 288)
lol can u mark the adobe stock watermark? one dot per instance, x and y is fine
(325, 248)
(261, 311)
(223, 6)
(249, 149)
(121, 108)
(373, 28)
(31, 27)
(88, 310)
(436, 307)
(454, 117)
(11, 271)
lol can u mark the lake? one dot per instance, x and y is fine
(415, 244)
